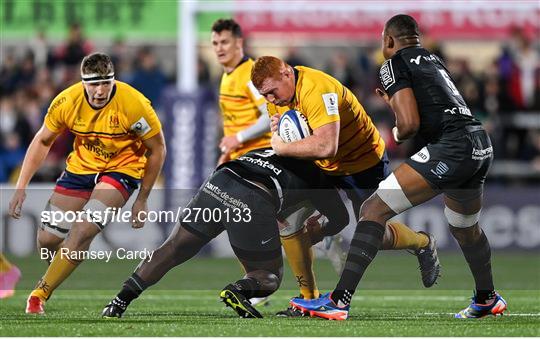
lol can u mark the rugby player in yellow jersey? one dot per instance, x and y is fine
(115, 127)
(246, 124)
(344, 143)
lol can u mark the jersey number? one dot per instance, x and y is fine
(449, 82)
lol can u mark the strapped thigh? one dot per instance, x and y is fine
(392, 194)
(58, 228)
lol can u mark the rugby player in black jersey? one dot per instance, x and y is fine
(455, 161)
(245, 196)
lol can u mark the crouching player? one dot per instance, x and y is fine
(259, 187)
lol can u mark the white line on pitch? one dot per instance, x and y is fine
(214, 297)
(506, 314)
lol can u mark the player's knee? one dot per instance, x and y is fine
(48, 241)
(372, 209)
(270, 283)
(466, 236)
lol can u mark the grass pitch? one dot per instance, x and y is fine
(390, 301)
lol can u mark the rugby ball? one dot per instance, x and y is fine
(293, 126)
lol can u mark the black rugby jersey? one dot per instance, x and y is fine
(440, 105)
(290, 180)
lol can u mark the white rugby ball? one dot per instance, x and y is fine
(293, 126)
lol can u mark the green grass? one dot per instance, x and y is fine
(389, 302)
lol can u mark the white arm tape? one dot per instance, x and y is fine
(260, 127)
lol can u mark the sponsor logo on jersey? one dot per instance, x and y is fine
(97, 147)
(386, 74)
(262, 163)
(266, 154)
(416, 60)
(458, 110)
(421, 156)
(481, 154)
(79, 122)
(440, 169)
(331, 103)
(57, 103)
(141, 127)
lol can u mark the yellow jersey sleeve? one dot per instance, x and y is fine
(55, 119)
(145, 122)
(320, 104)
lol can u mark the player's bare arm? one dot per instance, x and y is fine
(156, 152)
(322, 144)
(403, 103)
(36, 154)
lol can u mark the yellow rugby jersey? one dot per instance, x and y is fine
(239, 101)
(108, 139)
(323, 99)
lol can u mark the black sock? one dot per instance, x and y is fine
(478, 256)
(366, 243)
(248, 287)
(132, 288)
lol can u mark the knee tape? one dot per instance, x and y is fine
(391, 193)
(98, 213)
(56, 223)
(461, 220)
(295, 221)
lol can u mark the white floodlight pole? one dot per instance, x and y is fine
(186, 73)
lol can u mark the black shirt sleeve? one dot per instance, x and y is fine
(394, 75)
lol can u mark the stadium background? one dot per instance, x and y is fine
(162, 48)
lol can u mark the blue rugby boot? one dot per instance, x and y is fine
(475, 310)
(323, 307)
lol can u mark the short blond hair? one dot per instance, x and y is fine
(266, 67)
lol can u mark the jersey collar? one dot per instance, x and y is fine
(296, 76)
(244, 59)
(408, 47)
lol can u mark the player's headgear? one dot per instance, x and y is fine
(402, 26)
(227, 25)
(97, 67)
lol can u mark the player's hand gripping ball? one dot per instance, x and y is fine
(293, 126)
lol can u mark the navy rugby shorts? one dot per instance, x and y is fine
(226, 202)
(457, 164)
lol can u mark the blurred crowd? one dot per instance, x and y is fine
(503, 95)
(29, 83)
